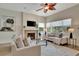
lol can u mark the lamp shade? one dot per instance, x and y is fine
(71, 29)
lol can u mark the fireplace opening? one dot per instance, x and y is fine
(31, 35)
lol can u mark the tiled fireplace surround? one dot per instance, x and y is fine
(32, 33)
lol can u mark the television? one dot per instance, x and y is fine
(31, 23)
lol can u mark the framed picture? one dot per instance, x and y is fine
(7, 23)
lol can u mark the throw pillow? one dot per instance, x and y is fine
(25, 42)
(29, 41)
(60, 35)
(19, 43)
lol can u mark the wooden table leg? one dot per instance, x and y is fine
(75, 42)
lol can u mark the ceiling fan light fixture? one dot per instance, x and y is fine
(46, 3)
(46, 7)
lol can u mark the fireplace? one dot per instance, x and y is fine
(31, 35)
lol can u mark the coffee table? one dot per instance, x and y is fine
(42, 40)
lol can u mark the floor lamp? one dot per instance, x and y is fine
(71, 30)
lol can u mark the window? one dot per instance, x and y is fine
(56, 23)
(66, 22)
(41, 26)
(58, 26)
(48, 25)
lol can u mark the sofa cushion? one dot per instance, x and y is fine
(51, 35)
(19, 43)
(25, 42)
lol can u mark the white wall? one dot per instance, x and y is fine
(73, 13)
(32, 17)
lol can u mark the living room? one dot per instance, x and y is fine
(28, 30)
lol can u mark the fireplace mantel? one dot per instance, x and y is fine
(32, 29)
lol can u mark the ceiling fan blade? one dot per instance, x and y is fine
(39, 9)
(53, 8)
(53, 4)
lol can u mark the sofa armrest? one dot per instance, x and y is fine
(26, 51)
(13, 48)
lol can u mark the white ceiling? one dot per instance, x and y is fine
(31, 7)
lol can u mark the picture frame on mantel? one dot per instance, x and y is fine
(7, 23)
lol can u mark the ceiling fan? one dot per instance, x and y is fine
(47, 6)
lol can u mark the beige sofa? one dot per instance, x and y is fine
(26, 51)
(56, 39)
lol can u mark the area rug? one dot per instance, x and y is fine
(56, 50)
